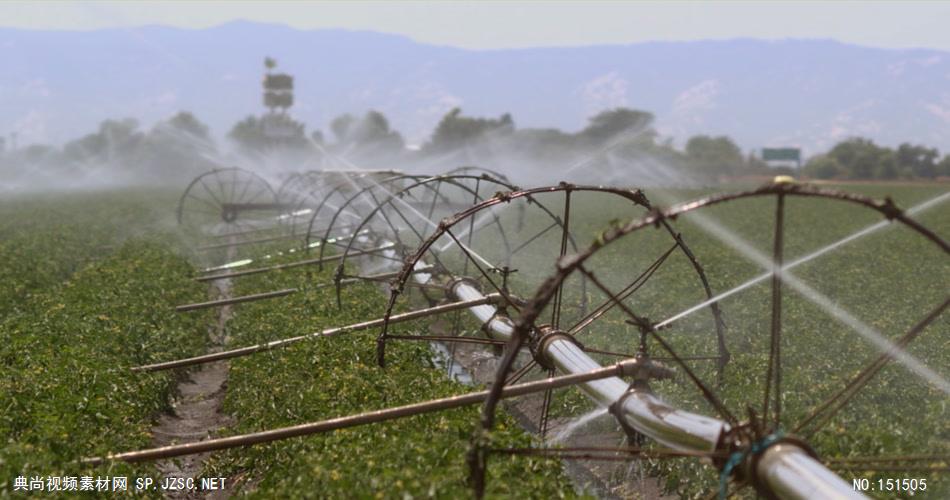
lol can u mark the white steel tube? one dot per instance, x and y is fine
(792, 473)
(787, 469)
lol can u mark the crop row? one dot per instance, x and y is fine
(421, 456)
(66, 387)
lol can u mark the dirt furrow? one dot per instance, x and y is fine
(196, 409)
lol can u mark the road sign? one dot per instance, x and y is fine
(782, 154)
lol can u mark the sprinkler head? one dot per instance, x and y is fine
(783, 179)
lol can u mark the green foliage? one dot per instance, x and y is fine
(823, 167)
(914, 161)
(717, 155)
(890, 280)
(859, 158)
(46, 238)
(421, 456)
(256, 135)
(619, 123)
(456, 132)
(64, 359)
(115, 140)
(341, 126)
(943, 168)
(180, 145)
(189, 124)
(621, 136)
(367, 136)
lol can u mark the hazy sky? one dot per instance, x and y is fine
(496, 24)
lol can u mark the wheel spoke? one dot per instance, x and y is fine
(565, 225)
(774, 369)
(834, 404)
(629, 290)
(546, 409)
(484, 274)
(707, 393)
(521, 372)
(208, 190)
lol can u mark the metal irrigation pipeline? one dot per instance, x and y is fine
(752, 451)
(559, 221)
(756, 451)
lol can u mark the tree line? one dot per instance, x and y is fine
(180, 144)
(183, 143)
(859, 158)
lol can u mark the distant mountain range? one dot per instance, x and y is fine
(58, 85)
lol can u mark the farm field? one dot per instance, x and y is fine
(890, 279)
(101, 301)
(421, 456)
(85, 278)
(95, 277)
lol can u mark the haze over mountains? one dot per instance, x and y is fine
(58, 85)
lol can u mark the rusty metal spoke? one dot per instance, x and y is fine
(774, 369)
(707, 393)
(832, 405)
(535, 237)
(481, 270)
(521, 372)
(627, 291)
(546, 409)
(216, 208)
(201, 181)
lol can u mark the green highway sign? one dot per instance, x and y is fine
(782, 154)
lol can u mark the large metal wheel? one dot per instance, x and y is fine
(353, 208)
(472, 170)
(299, 192)
(537, 227)
(747, 421)
(228, 202)
(333, 201)
(402, 218)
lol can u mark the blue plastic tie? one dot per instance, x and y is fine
(737, 457)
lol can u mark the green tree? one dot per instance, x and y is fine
(916, 161)
(116, 140)
(366, 137)
(373, 132)
(317, 137)
(341, 126)
(180, 144)
(37, 153)
(862, 159)
(943, 168)
(714, 155)
(186, 122)
(822, 167)
(269, 132)
(455, 131)
(619, 124)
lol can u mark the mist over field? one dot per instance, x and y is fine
(328, 263)
(114, 107)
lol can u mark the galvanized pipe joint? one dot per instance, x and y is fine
(785, 469)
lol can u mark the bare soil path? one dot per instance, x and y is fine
(196, 409)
